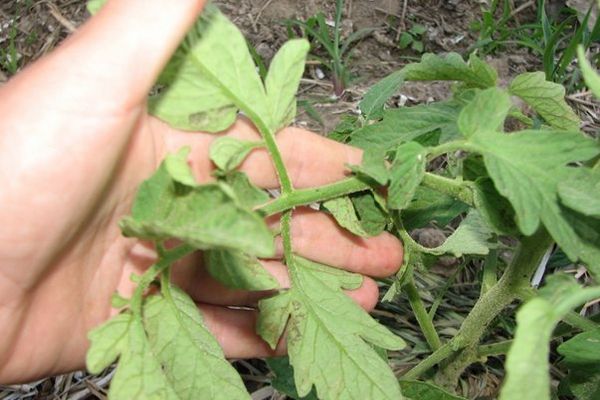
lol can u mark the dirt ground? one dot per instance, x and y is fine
(33, 28)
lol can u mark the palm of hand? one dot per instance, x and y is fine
(74, 151)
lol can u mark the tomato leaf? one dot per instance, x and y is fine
(406, 174)
(546, 98)
(371, 106)
(582, 191)
(283, 80)
(107, 342)
(527, 361)
(192, 361)
(237, 270)
(452, 67)
(326, 327)
(205, 217)
(408, 123)
(228, 153)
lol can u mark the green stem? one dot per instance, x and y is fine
(516, 276)
(494, 349)
(572, 318)
(166, 259)
(435, 358)
(273, 149)
(448, 147)
(295, 198)
(307, 196)
(426, 324)
(490, 272)
(460, 190)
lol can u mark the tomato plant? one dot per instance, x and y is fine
(537, 185)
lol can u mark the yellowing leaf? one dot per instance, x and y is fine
(546, 98)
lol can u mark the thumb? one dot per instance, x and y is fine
(115, 57)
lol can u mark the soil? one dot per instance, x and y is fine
(33, 28)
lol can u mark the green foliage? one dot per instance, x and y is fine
(448, 165)
(237, 270)
(337, 332)
(413, 38)
(337, 49)
(592, 79)
(417, 390)
(527, 362)
(228, 153)
(546, 98)
(204, 216)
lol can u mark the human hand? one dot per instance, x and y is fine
(75, 143)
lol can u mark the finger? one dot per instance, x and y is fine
(235, 330)
(317, 236)
(117, 55)
(202, 287)
(311, 160)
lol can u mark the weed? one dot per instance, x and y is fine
(328, 36)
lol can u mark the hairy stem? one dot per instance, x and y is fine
(425, 323)
(462, 349)
(490, 272)
(295, 198)
(307, 196)
(457, 189)
(516, 276)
